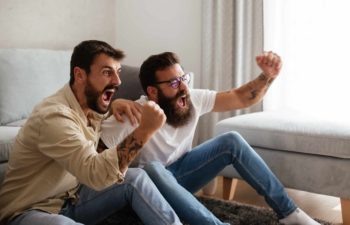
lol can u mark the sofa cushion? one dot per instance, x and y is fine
(7, 138)
(27, 76)
(291, 132)
(17, 123)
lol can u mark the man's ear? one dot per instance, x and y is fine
(79, 75)
(152, 93)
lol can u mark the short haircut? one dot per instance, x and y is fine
(153, 64)
(85, 53)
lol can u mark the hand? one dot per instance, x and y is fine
(130, 108)
(270, 63)
(152, 117)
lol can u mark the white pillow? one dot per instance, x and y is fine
(26, 77)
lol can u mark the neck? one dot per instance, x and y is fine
(80, 96)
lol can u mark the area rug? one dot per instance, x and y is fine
(227, 211)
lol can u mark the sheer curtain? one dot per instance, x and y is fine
(313, 39)
(232, 37)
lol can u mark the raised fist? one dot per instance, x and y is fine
(270, 63)
(152, 117)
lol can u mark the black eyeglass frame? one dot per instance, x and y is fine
(175, 82)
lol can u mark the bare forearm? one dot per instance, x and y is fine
(254, 91)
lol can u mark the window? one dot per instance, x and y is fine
(313, 39)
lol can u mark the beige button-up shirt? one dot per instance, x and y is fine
(54, 152)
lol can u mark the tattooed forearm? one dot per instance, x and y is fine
(253, 91)
(128, 150)
(263, 78)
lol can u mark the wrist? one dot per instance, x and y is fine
(266, 78)
(263, 76)
(143, 134)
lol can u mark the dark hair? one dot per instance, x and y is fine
(154, 63)
(85, 53)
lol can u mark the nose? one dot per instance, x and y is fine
(182, 85)
(116, 79)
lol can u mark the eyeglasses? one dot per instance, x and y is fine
(175, 83)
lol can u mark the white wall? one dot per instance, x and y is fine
(140, 28)
(154, 26)
(55, 24)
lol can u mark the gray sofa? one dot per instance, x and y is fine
(305, 153)
(29, 75)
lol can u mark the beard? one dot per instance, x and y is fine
(176, 117)
(92, 96)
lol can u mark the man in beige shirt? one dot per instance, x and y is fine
(55, 174)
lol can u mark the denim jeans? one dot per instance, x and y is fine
(93, 206)
(196, 168)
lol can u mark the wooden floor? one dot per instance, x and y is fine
(318, 206)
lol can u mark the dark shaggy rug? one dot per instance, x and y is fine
(231, 212)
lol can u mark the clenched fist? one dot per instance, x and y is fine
(152, 117)
(270, 63)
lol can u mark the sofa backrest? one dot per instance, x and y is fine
(26, 77)
(131, 87)
(29, 75)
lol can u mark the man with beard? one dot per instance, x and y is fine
(55, 174)
(176, 168)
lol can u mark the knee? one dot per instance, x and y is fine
(154, 167)
(62, 220)
(155, 170)
(135, 176)
(40, 217)
(233, 142)
(232, 138)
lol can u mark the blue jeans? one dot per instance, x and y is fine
(93, 206)
(196, 168)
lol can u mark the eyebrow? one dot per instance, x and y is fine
(107, 67)
(111, 68)
(171, 80)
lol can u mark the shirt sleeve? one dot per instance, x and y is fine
(203, 100)
(62, 138)
(113, 132)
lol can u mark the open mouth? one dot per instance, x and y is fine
(182, 101)
(107, 95)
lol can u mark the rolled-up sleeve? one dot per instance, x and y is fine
(64, 138)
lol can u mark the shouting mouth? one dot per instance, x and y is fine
(107, 95)
(182, 101)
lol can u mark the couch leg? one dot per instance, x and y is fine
(229, 188)
(345, 210)
(210, 188)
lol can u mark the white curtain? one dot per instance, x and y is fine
(313, 40)
(232, 35)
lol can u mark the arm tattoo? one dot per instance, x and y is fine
(256, 89)
(128, 150)
(253, 93)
